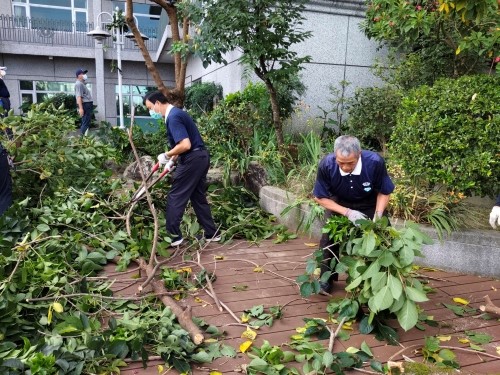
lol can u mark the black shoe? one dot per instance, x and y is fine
(212, 238)
(325, 287)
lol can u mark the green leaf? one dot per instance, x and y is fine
(364, 347)
(327, 359)
(408, 315)
(43, 227)
(354, 283)
(369, 242)
(258, 365)
(372, 270)
(382, 299)
(202, 357)
(395, 286)
(415, 295)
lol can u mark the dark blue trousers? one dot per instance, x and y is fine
(88, 110)
(5, 182)
(190, 184)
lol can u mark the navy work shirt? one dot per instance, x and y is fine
(361, 186)
(181, 126)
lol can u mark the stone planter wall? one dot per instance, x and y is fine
(473, 252)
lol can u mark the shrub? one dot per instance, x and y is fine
(449, 134)
(200, 97)
(372, 115)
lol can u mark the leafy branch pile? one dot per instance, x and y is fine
(66, 225)
(378, 260)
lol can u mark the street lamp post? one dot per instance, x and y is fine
(99, 34)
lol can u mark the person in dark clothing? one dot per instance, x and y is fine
(350, 182)
(190, 177)
(5, 181)
(4, 94)
(495, 214)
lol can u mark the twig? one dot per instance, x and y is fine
(364, 371)
(402, 351)
(470, 351)
(332, 336)
(226, 308)
(133, 298)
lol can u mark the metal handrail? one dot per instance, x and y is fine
(60, 33)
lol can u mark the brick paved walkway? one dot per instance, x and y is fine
(240, 288)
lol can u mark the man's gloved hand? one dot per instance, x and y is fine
(169, 165)
(163, 159)
(495, 217)
(354, 215)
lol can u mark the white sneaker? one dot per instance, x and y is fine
(177, 242)
(216, 238)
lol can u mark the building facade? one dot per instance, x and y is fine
(43, 42)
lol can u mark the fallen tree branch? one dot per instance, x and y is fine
(226, 308)
(334, 334)
(490, 307)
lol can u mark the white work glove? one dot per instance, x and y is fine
(169, 166)
(495, 217)
(163, 159)
(354, 215)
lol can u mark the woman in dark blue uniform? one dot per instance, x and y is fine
(350, 182)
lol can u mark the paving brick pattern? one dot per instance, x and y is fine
(240, 287)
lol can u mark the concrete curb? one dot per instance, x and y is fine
(470, 251)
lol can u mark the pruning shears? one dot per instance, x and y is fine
(169, 167)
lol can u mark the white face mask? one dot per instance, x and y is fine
(2, 73)
(85, 77)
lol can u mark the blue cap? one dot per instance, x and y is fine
(81, 71)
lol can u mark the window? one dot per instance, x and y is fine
(38, 91)
(58, 15)
(148, 17)
(132, 95)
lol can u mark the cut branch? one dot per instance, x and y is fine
(490, 307)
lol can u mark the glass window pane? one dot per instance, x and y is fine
(126, 105)
(51, 19)
(146, 22)
(40, 97)
(125, 90)
(20, 12)
(27, 98)
(120, 5)
(26, 85)
(142, 90)
(57, 3)
(140, 109)
(81, 21)
(80, 4)
(41, 85)
(18, 1)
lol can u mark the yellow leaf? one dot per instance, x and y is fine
(464, 341)
(347, 327)
(210, 340)
(218, 257)
(297, 337)
(244, 347)
(460, 300)
(185, 269)
(198, 299)
(444, 338)
(177, 297)
(58, 307)
(457, 51)
(160, 369)
(300, 329)
(49, 315)
(498, 350)
(317, 271)
(311, 244)
(258, 269)
(352, 350)
(244, 318)
(249, 334)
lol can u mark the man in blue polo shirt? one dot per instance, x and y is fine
(190, 178)
(350, 182)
